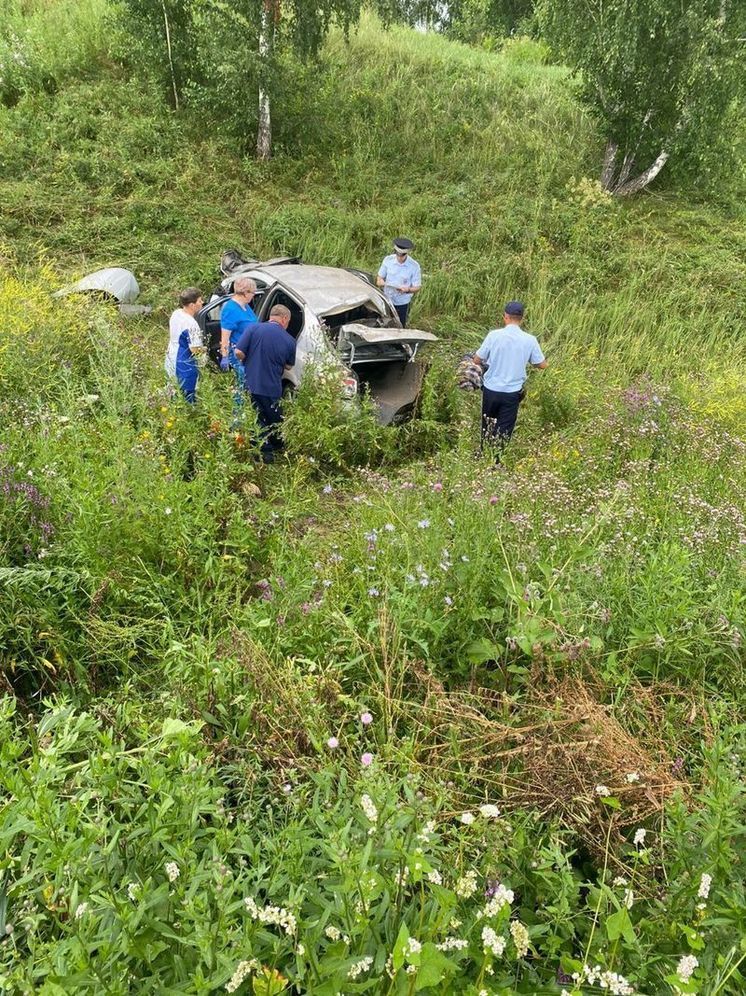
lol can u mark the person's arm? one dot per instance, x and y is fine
(242, 345)
(381, 278)
(415, 282)
(536, 359)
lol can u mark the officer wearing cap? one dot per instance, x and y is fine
(504, 356)
(400, 277)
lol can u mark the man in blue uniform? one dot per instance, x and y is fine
(267, 350)
(236, 313)
(504, 356)
(400, 277)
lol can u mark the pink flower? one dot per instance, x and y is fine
(332, 743)
(366, 760)
(494, 500)
(366, 719)
(437, 486)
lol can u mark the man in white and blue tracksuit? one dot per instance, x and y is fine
(186, 351)
(504, 356)
(400, 277)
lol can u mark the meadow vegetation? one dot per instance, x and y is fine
(378, 718)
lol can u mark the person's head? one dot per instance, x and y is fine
(403, 247)
(280, 314)
(191, 300)
(245, 288)
(514, 312)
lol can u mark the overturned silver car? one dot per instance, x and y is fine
(340, 320)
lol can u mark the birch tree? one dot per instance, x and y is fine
(659, 75)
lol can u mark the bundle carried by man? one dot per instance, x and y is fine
(469, 374)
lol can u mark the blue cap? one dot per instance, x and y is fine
(516, 308)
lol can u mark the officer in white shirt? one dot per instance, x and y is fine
(504, 356)
(400, 277)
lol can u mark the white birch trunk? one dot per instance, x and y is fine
(607, 173)
(264, 131)
(641, 181)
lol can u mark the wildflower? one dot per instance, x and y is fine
(423, 524)
(369, 808)
(132, 891)
(602, 790)
(412, 947)
(489, 812)
(332, 743)
(500, 897)
(166, 511)
(619, 881)
(615, 983)
(494, 499)
(81, 910)
(435, 877)
(373, 592)
(327, 489)
(520, 938)
(276, 915)
(628, 899)
(685, 968)
(390, 527)
(172, 871)
(437, 486)
(492, 943)
(467, 818)
(704, 886)
(333, 933)
(300, 950)
(633, 777)
(467, 885)
(639, 838)
(453, 944)
(360, 967)
(366, 760)
(243, 969)
(448, 600)
(366, 719)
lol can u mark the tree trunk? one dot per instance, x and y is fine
(641, 181)
(607, 173)
(266, 37)
(170, 56)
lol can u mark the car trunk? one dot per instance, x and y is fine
(384, 360)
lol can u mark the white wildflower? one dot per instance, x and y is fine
(435, 877)
(272, 915)
(489, 812)
(602, 790)
(133, 890)
(520, 938)
(632, 778)
(300, 950)
(704, 886)
(412, 947)
(333, 933)
(467, 818)
(628, 898)
(685, 968)
(639, 838)
(453, 944)
(467, 885)
(427, 831)
(619, 881)
(81, 910)
(369, 808)
(243, 969)
(615, 983)
(492, 943)
(502, 897)
(172, 871)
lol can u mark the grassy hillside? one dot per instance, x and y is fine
(379, 718)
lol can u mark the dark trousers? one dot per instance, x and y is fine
(269, 416)
(499, 414)
(402, 311)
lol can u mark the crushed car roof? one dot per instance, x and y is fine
(326, 289)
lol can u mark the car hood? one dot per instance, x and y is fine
(380, 337)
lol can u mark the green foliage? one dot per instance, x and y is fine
(658, 77)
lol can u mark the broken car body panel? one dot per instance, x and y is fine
(114, 281)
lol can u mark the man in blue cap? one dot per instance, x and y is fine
(504, 356)
(400, 277)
